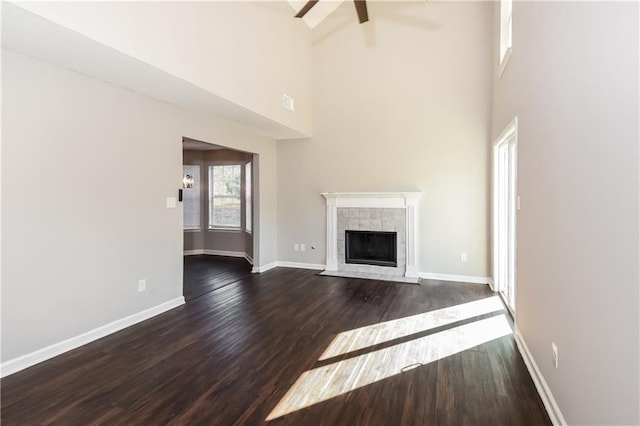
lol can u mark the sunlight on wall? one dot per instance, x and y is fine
(323, 383)
(363, 337)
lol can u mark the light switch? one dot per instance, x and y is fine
(171, 202)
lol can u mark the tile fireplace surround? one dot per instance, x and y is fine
(373, 211)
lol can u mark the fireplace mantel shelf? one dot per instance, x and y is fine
(371, 194)
(372, 199)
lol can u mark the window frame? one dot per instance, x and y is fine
(211, 196)
(248, 197)
(506, 34)
(508, 138)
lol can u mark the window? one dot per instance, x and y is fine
(191, 199)
(247, 197)
(506, 18)
(224, 196)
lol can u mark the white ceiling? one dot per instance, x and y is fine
(324, 8)
(32, 35)
(35, 36)
(321, 10)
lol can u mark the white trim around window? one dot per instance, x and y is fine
(225, 196)
(248, 197)
(222, 229)
(504, 63)
(506, 34)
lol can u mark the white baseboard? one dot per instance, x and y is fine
(226, 253)
(538, 379)
(264, 268)
(301, 265)
(284, 264)
(491, 285)
(25, 361)
(193, 252)
(457, 278)
(426, 275)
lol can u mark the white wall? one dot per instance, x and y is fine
(87, 219)
(249, 53)
(573, 83)
(400, 103)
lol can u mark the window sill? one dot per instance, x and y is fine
(247, 231)
(216, 229)
(193, 230)
(504, 63)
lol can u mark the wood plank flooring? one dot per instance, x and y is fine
(231, 355)
(203, 273)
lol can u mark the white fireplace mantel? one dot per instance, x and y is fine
(404, 200)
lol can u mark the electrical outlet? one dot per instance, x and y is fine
(463, 257)
(296, 247)
(303, 247)
(142, 285)
(554, 354)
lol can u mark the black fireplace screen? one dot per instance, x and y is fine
(371, 248)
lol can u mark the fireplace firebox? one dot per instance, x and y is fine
(371, 248)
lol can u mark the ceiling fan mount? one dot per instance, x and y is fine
(361, 9)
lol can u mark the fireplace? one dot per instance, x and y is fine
(371, 248)
(374, 212)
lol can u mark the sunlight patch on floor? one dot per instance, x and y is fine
(363, 337)
(323, 383)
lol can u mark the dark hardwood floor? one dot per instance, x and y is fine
(204, 273)
(231, 355)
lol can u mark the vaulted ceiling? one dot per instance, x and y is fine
(320, 11)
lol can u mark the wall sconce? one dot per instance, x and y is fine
(187, 181)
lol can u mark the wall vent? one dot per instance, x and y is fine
(287, 102)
